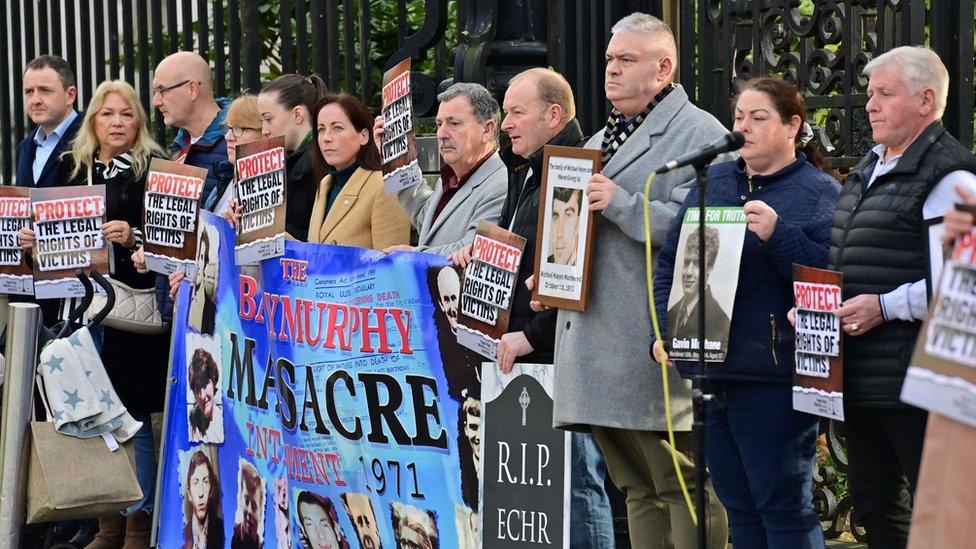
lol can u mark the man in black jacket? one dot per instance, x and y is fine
(878, 242)
(49, 98)
(539, 110)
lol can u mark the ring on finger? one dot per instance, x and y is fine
(855, 326)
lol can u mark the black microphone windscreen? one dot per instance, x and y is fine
(736, 140)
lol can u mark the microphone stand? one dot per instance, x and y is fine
(698, 394)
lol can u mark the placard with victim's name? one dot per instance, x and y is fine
(68, 235)
(172, 205)
(486, 291)
(565, 230)
(16, 276)
(399, 145)
(818, 376)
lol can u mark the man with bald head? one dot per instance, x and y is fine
(182, 90)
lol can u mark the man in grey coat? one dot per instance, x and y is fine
(473, 181)
(605, 380)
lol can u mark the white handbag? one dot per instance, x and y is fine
(135, 310)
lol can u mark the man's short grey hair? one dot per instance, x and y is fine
(485, 106)
(649, 25)
(921, 68)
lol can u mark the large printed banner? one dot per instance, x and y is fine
(322, 412)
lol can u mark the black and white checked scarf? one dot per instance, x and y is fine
(619, 127)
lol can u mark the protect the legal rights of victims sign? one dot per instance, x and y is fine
(818, 381)
(486, 292)
(942, 375)
(15, 211)
(399, 145)
(261, 191)
(172, 205)
(68, 236)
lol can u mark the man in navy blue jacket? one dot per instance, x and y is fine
(49, 98)
(183, 92)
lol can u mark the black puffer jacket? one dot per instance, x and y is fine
(878, 242)
(520, 214)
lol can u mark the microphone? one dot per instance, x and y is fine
(729, 142)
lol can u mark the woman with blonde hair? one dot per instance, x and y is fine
(114, 148)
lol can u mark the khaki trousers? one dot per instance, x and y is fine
(640, 465)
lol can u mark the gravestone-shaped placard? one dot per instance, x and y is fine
(525, 477)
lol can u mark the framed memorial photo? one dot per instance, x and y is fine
(564, 235)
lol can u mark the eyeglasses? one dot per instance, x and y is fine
(161, 90)
(238, 131)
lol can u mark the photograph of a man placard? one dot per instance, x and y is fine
(565, 224)
(724, 235)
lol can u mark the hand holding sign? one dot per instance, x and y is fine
(512, 346)
(760, 218)
(599, 191)
(119, 232)
(861, 314)
(26, 239)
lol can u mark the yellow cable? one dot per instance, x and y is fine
(649, 271)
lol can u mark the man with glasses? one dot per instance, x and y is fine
(182, 91)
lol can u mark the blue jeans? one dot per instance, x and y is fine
(760, 453)
(591, 521)
(145, 464)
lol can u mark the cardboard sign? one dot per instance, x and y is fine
(68, 231)
(526, 482)
(486, 292)
(818, 377)
(942, 375)
(565, 228)
(725, 230)
(261, 182)
(16, 276)
(399, 145)
(172, 205)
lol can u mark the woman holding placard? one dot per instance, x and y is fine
(286, 106)
(759, 451)
(114, 148)
(351, 206)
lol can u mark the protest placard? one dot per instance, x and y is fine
(261, 181)
(565, 230)
(16, 276)
(399, 144)
(172, 204)
(818, 376)
(725, 230)
(942, 375)
(526, 485)
(68, 236)
(486, 292)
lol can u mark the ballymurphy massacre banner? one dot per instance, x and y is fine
(172, 201)
(16, 276)
(327, 407)
(68, 236)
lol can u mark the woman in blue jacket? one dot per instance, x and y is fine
(759, 451)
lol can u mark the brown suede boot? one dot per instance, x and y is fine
(137, 526)
(110, 532)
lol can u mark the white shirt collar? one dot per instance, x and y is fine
(39, 136)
